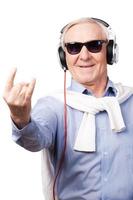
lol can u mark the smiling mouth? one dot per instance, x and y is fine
(86, 66)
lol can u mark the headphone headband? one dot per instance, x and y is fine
(101, 21)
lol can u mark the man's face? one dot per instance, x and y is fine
(86, 67)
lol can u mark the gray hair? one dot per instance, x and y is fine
(107, 30)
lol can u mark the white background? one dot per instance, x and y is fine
(29, 37)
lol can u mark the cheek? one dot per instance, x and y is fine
(71, 61)
(104, 56)
(101, 58)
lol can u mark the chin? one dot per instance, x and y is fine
(85, 80)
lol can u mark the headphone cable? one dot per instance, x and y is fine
(65, 138)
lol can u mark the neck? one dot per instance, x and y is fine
(97, 88)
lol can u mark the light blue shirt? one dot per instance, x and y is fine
(106, 174)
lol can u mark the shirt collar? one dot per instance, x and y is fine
(110, 89)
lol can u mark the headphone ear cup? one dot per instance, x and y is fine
(62, 58)
(110, 53)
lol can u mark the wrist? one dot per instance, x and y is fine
(20, 123)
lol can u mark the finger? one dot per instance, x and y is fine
(16, 90)
(23, 91)
(30, 89)
(13, 96)
(10, 80)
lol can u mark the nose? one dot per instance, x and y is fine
(85, 54)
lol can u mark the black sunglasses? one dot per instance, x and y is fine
(93, 46)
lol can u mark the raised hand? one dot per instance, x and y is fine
(18, 98)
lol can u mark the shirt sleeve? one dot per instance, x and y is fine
(41, 130)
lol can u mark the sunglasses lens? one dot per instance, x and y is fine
(73, 48)
(94, 46)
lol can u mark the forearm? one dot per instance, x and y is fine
(34, 136)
